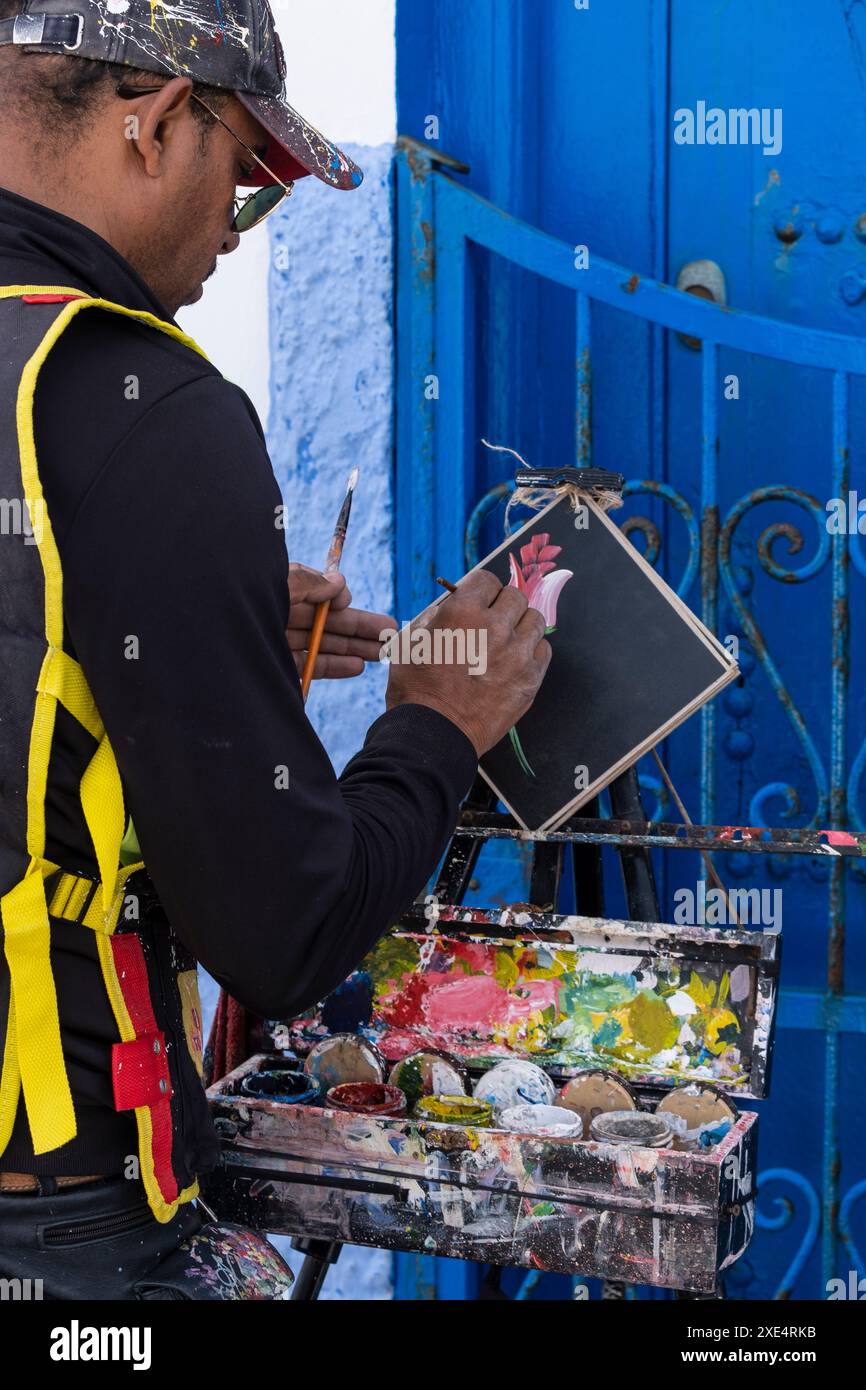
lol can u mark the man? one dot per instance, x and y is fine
(150, 644)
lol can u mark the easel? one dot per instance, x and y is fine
(546, 872)
(548, 862)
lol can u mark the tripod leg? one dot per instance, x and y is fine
(637, 867)
(547, 860)
(588, 878)
(320, 1255)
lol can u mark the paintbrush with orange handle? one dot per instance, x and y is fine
(332, 566)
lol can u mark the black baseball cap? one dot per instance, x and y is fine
(231, 44)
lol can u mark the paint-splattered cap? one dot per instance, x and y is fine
(219, 43)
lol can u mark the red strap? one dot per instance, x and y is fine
(139, 1068)
(50, 298)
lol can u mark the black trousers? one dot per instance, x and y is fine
(100, 1241)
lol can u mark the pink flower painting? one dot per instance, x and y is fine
(538, 578)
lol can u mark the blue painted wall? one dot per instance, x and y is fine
(332, 403)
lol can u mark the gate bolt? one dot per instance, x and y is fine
(852, 286)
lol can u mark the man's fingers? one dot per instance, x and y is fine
(347, 622)
(336, 667)
(307, 586)
(544, 655)
(480, 585)
(333, 644)
(512, 604)
(532, 626)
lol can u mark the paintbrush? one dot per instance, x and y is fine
(332, 566)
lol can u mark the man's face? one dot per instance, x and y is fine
(185, 212)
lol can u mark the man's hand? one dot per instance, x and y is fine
(488, 701)
(351, 636)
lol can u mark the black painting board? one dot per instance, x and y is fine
(630, 663)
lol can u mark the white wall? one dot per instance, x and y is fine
(341, 62)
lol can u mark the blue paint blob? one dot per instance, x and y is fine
(350, 1007)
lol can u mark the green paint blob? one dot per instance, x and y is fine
(652, 1024)
(603, 992)
(607, 1034)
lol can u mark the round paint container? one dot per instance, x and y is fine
(343, 1058)
(514, 1082)
(632, 1127)
(699, 1114)
(429, 1073)
(282, 1087)
(595, 1093)
(455, 1110)
(367, 1098)
(547, 1121)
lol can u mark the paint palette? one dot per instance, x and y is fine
(656, 1005)
(659, 1005)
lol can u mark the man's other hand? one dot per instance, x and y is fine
(352, 635)
(486, 700)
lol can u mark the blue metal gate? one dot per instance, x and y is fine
(463, 265)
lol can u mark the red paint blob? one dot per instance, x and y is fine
(367, 1098)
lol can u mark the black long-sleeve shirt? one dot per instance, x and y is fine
(163, 502)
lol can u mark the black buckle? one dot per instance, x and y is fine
(587, 479)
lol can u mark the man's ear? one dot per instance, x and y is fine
(154, 120)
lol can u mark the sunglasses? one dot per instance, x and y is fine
(250, 211)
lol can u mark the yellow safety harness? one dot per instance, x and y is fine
(33, 1060)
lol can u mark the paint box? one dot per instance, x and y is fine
(658, 1005)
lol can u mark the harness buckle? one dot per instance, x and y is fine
(79, 19)
(28, 28)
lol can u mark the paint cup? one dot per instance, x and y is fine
(699, 1114)
(455, 1110)
(514, 1082)
(281, 1087)
(595, 1093)
(343, 1058)
(428, 1073)
(546, 1121)
(367, 1098)
(632, 1127)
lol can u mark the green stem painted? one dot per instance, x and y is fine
(521, 756)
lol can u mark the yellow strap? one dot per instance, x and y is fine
(16, 291)
(10, 1077)
(102, 800)
(61, 895)
(101, 788)
(63, 678)
(34, 1025)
